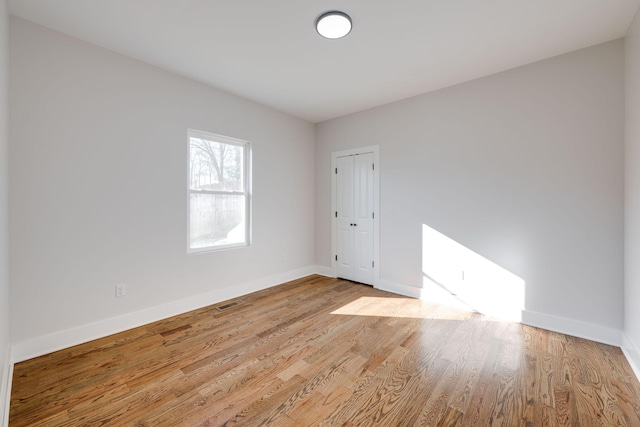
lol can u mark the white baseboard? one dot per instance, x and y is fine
(45, 344)
(324, 271)
(632, 354)
(5, 389)
(576, 328)
(382, 284)
(398, 288)
(67, 338)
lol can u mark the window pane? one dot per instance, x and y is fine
(216, 220)
(216, 166)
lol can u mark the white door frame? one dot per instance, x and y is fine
(375, 149)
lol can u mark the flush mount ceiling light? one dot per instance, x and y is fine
(333, 24)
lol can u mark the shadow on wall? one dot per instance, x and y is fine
(455, 275)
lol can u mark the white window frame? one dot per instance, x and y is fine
(193, 133)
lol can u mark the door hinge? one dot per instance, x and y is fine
(373, 166)
(336, 214)
(373, 215)
(336, 170)
(336, 257)
(373, 264)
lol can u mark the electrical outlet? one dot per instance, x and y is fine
(121, 290)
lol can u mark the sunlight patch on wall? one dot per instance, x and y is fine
(455, 275)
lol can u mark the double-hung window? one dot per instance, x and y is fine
(219, 192)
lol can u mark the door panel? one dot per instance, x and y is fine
(363, 189)
(344, 209)
(354, 217)
(344, 181)
(346, 249)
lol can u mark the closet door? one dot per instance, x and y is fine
(363, 218)
(354, 214)
(344, 212)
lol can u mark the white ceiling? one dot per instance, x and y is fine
(268, 51)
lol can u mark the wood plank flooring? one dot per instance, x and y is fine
(326, 352)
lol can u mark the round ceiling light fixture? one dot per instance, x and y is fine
(333, 24)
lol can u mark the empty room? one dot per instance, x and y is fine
(304, 213)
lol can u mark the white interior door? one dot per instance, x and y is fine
(355, 217)
(344, 214)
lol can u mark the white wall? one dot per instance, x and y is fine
(632, 194)
(4, 208)
(98, 152)
(524, 167)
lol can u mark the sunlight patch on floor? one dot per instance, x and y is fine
(398, 307)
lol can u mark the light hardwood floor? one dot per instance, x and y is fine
(320, 351)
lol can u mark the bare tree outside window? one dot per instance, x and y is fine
(218, 166)
(218, 191)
